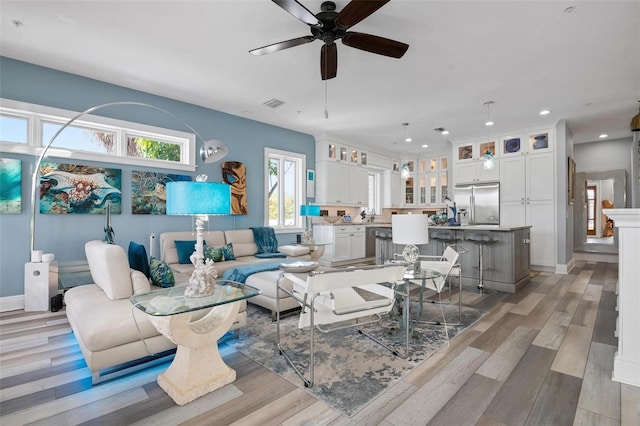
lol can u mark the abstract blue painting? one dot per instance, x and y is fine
(10, 185)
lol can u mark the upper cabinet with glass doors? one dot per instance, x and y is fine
(527, 143)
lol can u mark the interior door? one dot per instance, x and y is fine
(592, 198)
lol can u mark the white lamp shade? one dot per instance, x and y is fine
(410, 229)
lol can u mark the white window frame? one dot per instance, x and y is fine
(300, 190)
(36, 114)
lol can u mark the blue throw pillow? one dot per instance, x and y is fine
(228, 252)
(138, 259)
(186, 249)
(161, 273)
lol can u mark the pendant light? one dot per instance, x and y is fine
(487, 162)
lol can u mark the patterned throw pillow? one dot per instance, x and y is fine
(214, 253)
(161, 273)
(228, 252)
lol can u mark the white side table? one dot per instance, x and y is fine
(40, 285)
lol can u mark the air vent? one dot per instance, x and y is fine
(273, 103)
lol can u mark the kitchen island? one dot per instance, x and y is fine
(506, 254)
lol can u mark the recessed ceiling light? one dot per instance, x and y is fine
(445, 132)
(425, 146)
(604, 135)
(545, 112)
(489, 123)
(408, 139)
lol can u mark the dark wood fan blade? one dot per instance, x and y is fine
(329, 61)
(356, 11)
(282, 45)
(375, 44)
(299, 11)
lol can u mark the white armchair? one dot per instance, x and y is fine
(341, 299)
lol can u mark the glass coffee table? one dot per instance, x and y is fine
(197, 368)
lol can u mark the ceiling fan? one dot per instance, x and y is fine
(329, 26)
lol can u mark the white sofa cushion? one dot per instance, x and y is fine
(243, 242)
(109, 268)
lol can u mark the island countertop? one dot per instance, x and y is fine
(443, 227)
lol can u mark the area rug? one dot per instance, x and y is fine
(350, 369)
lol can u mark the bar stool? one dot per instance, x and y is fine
(383, 238)
(481, 242)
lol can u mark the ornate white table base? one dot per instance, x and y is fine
(197, 368)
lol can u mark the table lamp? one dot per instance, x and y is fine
(411, 230)
(200, 199)
(308, 210)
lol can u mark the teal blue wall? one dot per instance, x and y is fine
(65, 235)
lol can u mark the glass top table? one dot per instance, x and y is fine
(197, 368)
(172, 301)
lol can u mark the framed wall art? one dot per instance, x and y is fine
(148, 191)
(10, 185)
(73, 188)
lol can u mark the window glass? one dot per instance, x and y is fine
(152, 148)
(79, 138)
(14, 129)
(285, 185)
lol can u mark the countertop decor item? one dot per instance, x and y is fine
(332, 219)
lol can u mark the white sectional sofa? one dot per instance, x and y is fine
(109, 330)
(244, 249)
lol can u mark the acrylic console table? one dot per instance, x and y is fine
(197, 368)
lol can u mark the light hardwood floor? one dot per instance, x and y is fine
(539, 357)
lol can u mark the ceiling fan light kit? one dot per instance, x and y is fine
(330, 26)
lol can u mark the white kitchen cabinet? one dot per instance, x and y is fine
(358, 186)
(474, 171)
(408, 190)
(332, 151)
(344, 242)
(339, 183)
(391, 196)
(527, 198)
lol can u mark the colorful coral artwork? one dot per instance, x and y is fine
(235, 174)
(148, 191)
(72, 188)
(10, 185)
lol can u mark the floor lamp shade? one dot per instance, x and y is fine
(198, 198)
(410, 228)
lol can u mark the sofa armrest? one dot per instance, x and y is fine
(140, 282)
(293, 251)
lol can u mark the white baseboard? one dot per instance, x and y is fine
(565, 268)
(12, 303)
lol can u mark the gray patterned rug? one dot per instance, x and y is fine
(350, 369)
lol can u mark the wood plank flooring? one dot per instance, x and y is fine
(542, 356)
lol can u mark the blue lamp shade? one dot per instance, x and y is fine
(309, 210)
(198, 198)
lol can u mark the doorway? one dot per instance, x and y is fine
(590, 224)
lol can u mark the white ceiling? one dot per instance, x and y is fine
(524, 55)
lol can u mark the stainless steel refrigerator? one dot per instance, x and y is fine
(478, 204)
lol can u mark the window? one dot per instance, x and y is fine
(27, 129)
(285, 188)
